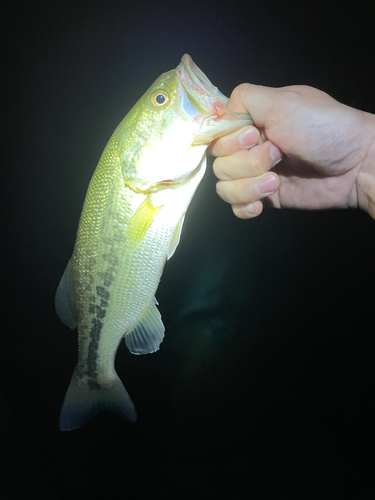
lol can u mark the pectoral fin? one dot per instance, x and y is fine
(141, 221)
(148, 334)
(175, 238)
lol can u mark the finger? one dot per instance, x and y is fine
(249, 190)
(257, 100)
(248, 211)
(244, 138)
(247, 163)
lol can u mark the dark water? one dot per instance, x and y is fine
(264, 385)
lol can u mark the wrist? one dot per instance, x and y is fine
(366, 176)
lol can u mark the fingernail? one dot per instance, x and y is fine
(249, 137)
(276, 154)
(249, 210)
(268, 185)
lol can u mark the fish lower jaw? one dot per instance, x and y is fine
(178, 181)
(164, 184)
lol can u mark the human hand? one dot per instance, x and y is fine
(326, 149)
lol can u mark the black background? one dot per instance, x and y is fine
(264, 385)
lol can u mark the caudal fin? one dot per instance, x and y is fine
(81, 404)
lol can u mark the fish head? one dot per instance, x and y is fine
(165, 135)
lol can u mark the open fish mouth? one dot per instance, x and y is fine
(202, 94)
(205, 104)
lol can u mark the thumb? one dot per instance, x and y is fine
(257, 100)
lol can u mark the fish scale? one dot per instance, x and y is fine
(130, 225)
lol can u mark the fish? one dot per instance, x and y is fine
(130, 225)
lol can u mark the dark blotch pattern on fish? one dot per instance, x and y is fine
(102, 292)
(99, 312)
(93, 384)
(107, 278)
(96, 328)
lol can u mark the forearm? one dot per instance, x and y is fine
(366, 176)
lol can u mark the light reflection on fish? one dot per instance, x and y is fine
(130, 225)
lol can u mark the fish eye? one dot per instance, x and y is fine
(159, 98)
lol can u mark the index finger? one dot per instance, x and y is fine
(257, 100)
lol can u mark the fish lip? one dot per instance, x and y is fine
(196, 74)
(201, 92)
(207, 104)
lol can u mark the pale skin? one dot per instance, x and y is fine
(307, 151)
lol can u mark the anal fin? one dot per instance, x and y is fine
(148, 334)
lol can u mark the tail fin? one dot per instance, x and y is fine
(81, 404)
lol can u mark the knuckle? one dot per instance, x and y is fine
(241, 91)
(256, 166)
(218, 168)
(221, 190)
(242, 88)
(220, 147)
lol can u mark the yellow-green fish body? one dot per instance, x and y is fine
(130, 224)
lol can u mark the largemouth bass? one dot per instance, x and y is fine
(130, 225)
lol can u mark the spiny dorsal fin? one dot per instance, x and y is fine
(148, 334)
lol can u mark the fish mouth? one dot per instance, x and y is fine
(206, 105)
(202, 94)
